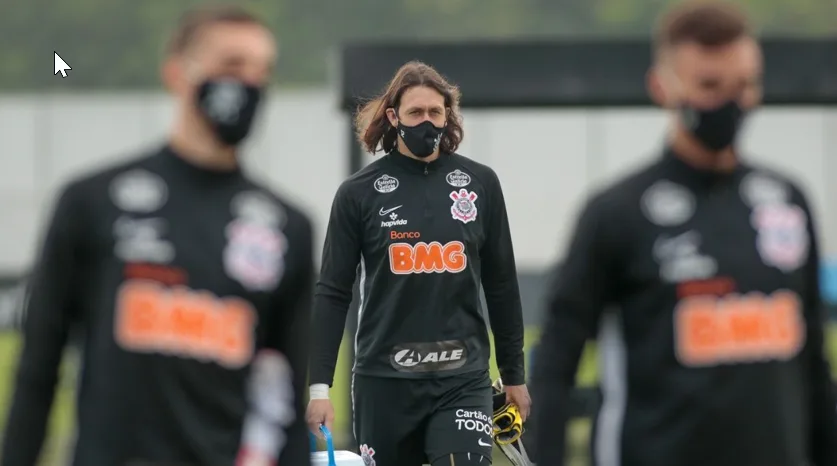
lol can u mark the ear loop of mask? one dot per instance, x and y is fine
(669, 78)
(397, 119)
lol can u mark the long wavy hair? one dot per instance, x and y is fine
(374, 131)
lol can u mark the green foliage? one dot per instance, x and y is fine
(116, 44)
(60, 432)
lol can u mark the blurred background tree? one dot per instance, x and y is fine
(116, 44)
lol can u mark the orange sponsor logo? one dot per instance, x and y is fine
(404, 235)
(159, 273)
(720, 286)
(434, 257)
(733, 329)
(183, 322)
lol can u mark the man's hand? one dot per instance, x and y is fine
(518, 395)
(320, 412)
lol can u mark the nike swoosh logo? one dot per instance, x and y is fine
(482, 443)
(383, 212)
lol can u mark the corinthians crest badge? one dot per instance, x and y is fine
(782, 240)
(464, 207)
(367, 453)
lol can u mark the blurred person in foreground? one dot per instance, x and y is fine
(713, 354)
(424, 227)
(179, 270)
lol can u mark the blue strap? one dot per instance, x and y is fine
(329, 444)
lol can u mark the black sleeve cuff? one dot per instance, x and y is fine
(516, 376)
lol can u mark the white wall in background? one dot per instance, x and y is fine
(547, 159)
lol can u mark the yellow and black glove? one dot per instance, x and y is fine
(508, 428)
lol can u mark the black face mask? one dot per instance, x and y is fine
(229, 106)
(422, 139)
(717, 128)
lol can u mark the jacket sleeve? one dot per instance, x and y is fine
(581, 289)
(333, 292)
(823, 409)
(502, 292)
(290, 336)
(49, 315)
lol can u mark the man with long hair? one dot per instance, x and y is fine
(425, 227)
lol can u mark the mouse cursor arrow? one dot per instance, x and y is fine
(61, 66)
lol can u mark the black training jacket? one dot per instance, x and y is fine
(177, 277)
(713, 352)
(423, 237)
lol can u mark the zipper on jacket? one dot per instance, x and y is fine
(427, 210)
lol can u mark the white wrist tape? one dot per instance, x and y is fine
(318, 391)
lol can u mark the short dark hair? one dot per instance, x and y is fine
(374, 131)
(709, 23)
(195, 20)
